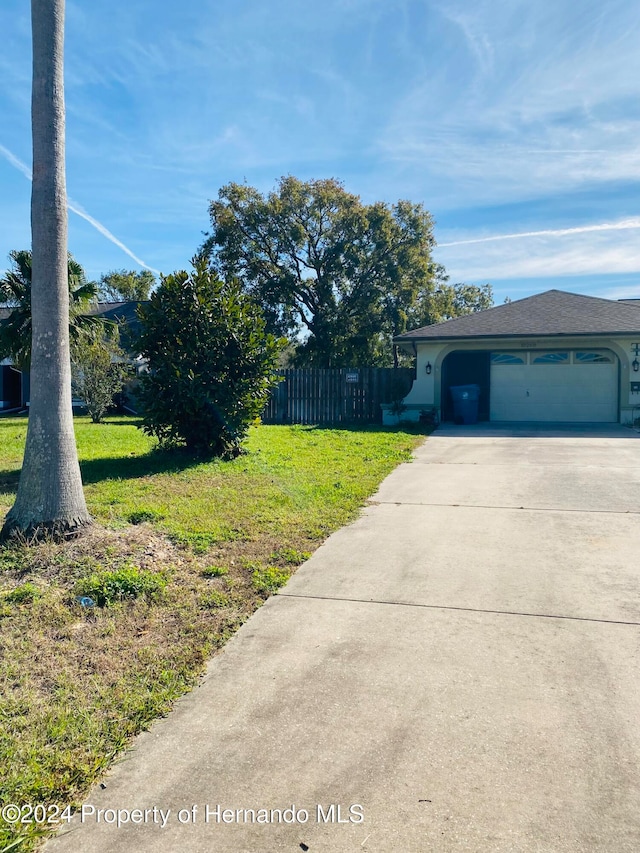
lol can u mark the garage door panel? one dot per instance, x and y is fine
(554, 392)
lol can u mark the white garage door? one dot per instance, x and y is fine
(577, 386)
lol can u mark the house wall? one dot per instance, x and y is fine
(423, 393)
(9, 385)
(426, 390)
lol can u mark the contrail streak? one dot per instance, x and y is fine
(20, 166)
(623, 225)
(78, 210)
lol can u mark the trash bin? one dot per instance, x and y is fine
(465, 403)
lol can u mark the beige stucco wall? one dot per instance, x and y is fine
(426, 390)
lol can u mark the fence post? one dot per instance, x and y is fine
(282, 394)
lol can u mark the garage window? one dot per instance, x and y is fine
(551, 358)
(507, 358)
(593, 358)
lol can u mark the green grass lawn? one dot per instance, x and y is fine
(181, 555)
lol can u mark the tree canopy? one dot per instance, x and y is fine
(338, 277)
(448, 301)
(125, 285)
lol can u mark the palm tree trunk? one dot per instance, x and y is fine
(50, 500)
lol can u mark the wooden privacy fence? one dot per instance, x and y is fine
(336, 395)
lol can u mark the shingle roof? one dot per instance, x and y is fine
(124, 313)
(115, 310)
(120, 312)
(554, 312)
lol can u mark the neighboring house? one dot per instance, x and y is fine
(554, 357)
(11, 385)
(15, 385)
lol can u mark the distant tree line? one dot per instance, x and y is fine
(125, 285)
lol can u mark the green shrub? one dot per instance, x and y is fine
(99, 371)
(129, 582)
(211, 363)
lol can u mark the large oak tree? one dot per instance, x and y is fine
(339, 277)
(50, 500)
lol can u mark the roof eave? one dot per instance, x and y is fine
(408, 339)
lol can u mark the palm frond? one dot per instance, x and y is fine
(84, 293)
(15, 293)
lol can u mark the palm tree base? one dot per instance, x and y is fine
(30, 532)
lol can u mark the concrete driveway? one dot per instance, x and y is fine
(456, 671)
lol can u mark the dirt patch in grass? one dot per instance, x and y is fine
(77, 681)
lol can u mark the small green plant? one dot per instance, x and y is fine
(11, 559)
(23, 594)
(213, 600)
(127, 582)
(397, 407)
(290, 556)
(142, 515)
(214, 571)
(99, 370)
(269, 579)
(199, 543)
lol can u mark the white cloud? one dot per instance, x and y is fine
(605, 249)
(473, 31)
(534, 100)
(457, 104)
(627, 292)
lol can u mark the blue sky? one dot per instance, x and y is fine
(502, 117)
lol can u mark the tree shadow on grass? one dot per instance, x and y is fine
(159, 461)
(9, 481)
(120, 468)
(112, 422)
(133, 467)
